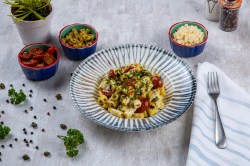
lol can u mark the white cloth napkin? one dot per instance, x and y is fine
(234, 109)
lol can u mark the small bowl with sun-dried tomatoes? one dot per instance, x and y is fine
(39, 61)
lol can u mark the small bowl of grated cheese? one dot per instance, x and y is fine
(187, 39)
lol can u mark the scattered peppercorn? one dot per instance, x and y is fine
(46, 154)
(44, 100)
(31, 91)
(58, 96)
(25, 132)
(54, 107)
(34, 125)
(63, 126)
(48, 114)
(2, 86)
(12, 102)
(25, 111)
(31, 108)
(23, 84)
(24, 129)
(37, 147)
(31, 133)
(35, 117)
(7, 101)
(31, 141)
(16, 139)
(2, 122)
(71, 74)
(2, 112)
(43, 130)
(2, 146)
(0, 153)
(30, 95)
(25, 140)
(10, 145)
(26, 157)
(0, 160)
(27, 144)
(11, 85)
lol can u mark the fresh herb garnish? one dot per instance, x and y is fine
(15, 97)
(71, 141)
(58, 96)
(155, 99)
(4, 131)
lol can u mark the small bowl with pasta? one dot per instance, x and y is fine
(78, 41)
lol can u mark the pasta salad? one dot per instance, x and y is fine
(131, 92)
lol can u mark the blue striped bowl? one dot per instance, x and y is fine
(178, 79)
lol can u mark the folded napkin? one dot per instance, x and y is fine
(234, 109)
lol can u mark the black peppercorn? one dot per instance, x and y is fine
(31, 91)
(2, 122)
(43, 130)
(25, 111)
(31, 108)
(35, 117)
(44, 100)
(31, 141)
(7, 101)
(31, 133)
(11, 85)
(25, 132)
(2, 112)
(26, 157)
(63, 126)
(2, 146)
(23, 84)
(25, 140)
(24, 129)
(48, 114)
(16, 139)
(0, 153)
(46, 154)
(54, 107)
(27, 144)
(37, 147)
(30, 95)
(0, 160)
(71, 74)
(10, 145)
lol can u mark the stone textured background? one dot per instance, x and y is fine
(118, 22)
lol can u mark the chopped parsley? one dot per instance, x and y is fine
(15, 97)
(155, 99)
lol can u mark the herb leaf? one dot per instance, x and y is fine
(15, 97)
(155, 99)
(71, 141)
(4, 131)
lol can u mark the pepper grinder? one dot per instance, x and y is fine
(212, 10)
(229, 15)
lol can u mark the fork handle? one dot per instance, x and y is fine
(220, 137)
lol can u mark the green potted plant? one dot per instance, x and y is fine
(33, 19)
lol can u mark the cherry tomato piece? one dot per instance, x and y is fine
(157, 82)
(111, 73)
(48, 59)
(38, 56)
(30, 63)
(34, 51)
(144, 106)
(130, 82)
(128, 68)
(24, 56)
(40, 64)
(51, 50)
(107, 93)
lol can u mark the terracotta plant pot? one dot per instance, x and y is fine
(35, 31)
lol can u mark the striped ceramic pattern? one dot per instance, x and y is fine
(178, 80)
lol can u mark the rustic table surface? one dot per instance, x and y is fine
(118, 22)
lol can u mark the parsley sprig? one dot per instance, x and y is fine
(4, 131)
(71, 141)
(16, 98)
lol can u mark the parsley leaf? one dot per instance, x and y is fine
(71, 141)
(4, 131)
(15, 97)
(155, 99)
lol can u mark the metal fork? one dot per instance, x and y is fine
(213, 89)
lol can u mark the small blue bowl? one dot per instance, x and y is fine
(78, 53)
(43, 73)
(183, 50)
